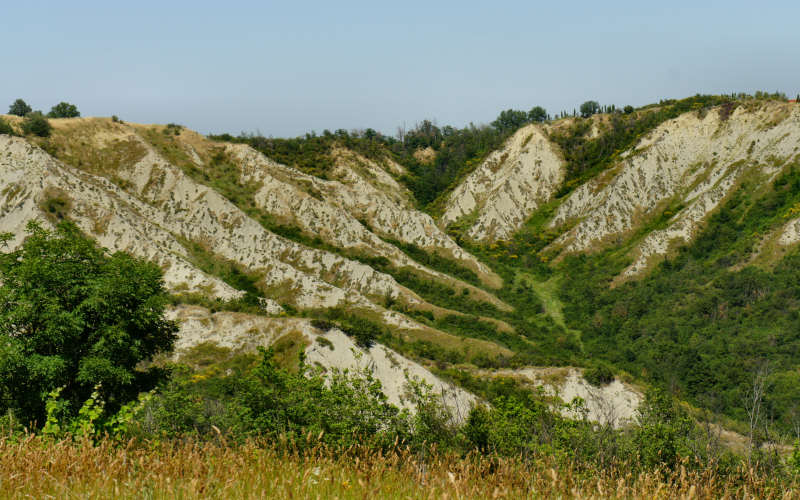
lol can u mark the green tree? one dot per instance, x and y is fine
(64, 110)
(35, 123)
(537, 114)
(73, 317)
(19, 108)
(510, 119)
(628, 109)
(589, 108)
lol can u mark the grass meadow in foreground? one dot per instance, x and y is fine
(35, 467)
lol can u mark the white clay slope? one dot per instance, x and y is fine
(790, 234)
(508, 187)
(320, 207)
(244, 333)
(361, 190)
(29, 176)
(371, 194)
(692, 160)
(164, 204)
(170, 204)
(308, 277)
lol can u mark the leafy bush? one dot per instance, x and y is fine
(794, 459)
(663, 430)
(350, 408)
(599, 374)
(71, 316)
(321, 324)
(35, 123)
(64, 110)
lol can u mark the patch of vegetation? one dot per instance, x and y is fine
(230, 272)
(287, 349)
(599, 374)
(35, 123)
(19, 108)
(173, 129)
(64, 110)
(364, 331)
(436, 262)
(76, 321)
(700, 322)
(6, 128)
(56, 204)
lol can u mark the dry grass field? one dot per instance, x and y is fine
(33, 467)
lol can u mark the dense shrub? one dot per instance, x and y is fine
(35, 123)
(599, 374)
(73, 317)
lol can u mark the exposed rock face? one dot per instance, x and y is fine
(691, 161)
(244, 332)
(29, 177)
(314, 278)
(326, 208)
(153, 209)
(791, 233)
(508, 187)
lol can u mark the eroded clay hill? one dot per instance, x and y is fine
(139, 189)
(341, 242)
(688, 166)
(680, 171)
(508, 186)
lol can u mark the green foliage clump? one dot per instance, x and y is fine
(173, 129)
(6, 128)
(35, 123)
(64, 110)
(364, 331)
(794, 459)
(72, 317)
(436, 262)
(346, 410)
(227, 270)
(600, 374)
(240, 398)
(589, 108)
(511, 119)
(19, 108)
(663, 430)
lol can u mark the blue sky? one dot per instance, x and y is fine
(284, 68)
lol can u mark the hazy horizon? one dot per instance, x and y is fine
(285, 70)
